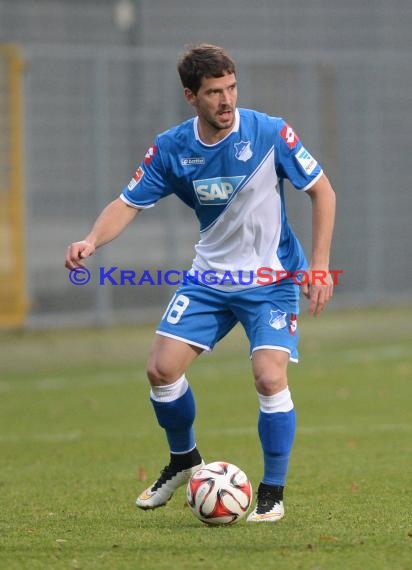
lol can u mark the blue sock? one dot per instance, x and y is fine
(176, 417)
(276, 432)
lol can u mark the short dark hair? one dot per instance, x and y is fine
(203, 60)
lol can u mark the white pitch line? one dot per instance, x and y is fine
(309, 430)
(63, 383)
(377, 353)
(43, 437)
(230, 432)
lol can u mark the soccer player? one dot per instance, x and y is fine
(229, 165)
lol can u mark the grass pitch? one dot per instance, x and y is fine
(78, 441)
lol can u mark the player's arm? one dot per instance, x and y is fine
(319, 288)
(109, 224)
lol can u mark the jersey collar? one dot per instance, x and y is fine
(234, 130)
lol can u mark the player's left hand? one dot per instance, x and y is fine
(318, 289)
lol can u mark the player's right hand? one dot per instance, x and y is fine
(78, 251)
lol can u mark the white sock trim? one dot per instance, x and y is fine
(280, 402)
(170, 392)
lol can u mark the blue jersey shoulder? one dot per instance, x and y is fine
(258, 122)
(180, 134)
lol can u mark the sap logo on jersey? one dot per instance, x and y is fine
(216, 191)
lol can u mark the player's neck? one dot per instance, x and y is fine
(210, 134)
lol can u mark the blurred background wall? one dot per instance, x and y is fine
(99, 82)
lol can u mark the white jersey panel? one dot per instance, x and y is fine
(246, 236)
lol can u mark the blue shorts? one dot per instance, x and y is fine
(201, 316)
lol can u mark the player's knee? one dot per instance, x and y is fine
(159, 374)
(156, 376)
(270, 382)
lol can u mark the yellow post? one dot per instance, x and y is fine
(13, 298)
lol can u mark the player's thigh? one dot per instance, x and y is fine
(198, 316)
(269, 317)
(270, 370)
(169, 359)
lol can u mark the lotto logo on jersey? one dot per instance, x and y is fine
(306, 160)
(136, 178)
(289, 136)
(148, 157)
(216, 191)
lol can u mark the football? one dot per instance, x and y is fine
(219, 494)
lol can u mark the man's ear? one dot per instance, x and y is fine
(189, 96)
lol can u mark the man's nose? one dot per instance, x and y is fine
(225, 98)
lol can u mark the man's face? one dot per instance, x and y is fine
(215, 104)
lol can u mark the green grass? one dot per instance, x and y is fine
(77, 433)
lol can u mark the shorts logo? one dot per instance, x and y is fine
(289, 136)
(243, 150)
(277, 319)
(306, 160)
(194, 160)
(216, 191)
(136, 178)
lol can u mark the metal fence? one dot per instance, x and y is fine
(91, 113)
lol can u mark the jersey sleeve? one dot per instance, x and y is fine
(149, 182)
(292, 160)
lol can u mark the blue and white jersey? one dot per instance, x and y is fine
(235, 188)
